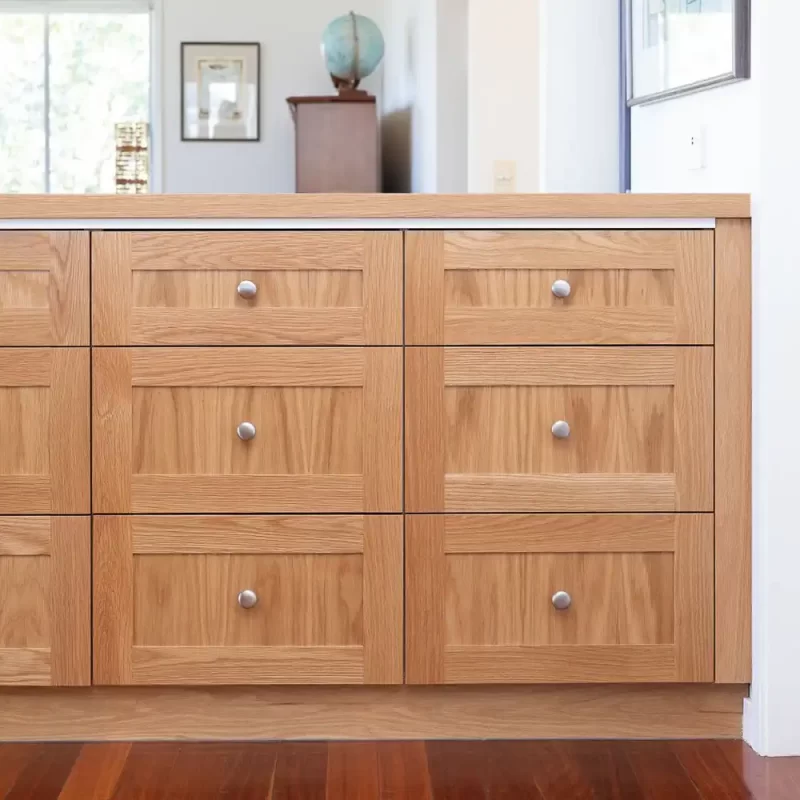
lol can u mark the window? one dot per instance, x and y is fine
(72, 69)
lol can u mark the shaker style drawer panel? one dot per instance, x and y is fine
(559, 599)
(45, 565)
(247, 430)
(44, 431)
(560, 287)
(44, 288)
(559, 429)
(248, 600)
(245, 288)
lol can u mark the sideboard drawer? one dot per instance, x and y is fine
(44, 430)
(559, 599)
(248, 600)
(247, 288)
(44, 288)
(247, 430)
(560, 287)
(45, 568)
(559, 429)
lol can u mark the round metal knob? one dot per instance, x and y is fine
(561, 288)
(247, 598)
(246, 431)
(561, 601)
(247, 289)
(560, 429)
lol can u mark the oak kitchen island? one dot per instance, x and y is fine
(374, 466)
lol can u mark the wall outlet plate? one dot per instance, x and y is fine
(504, 174)
(696, 149)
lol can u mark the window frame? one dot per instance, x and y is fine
(154, 8)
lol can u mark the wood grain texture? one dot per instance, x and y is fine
(424, 287)
(243, 665)
(640, 419)
(424, 597)
(25, 536)
(693, 438)
(44, 283)
(248, 534)
(554, 493)
(560, 533)
(694, 597)
(166, 606)
(328, 422)
(402, 712)
(479, 589)
(96, 771)
(732, 448)
(70, 601)
(494, 287)
(112, 600)
(68, 437)
(343, 287)
(424, 429)
(560, 664)
(44, 406)
(375, 206)
(382, 434)
(383, 599)
(112, 438)
(45, 601)
(552, 366)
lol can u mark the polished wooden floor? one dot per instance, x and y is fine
(396, 771)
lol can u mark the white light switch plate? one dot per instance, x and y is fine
(696, 149)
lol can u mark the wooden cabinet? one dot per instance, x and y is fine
(324, 600)
(221, 288)
(326, 426)
(44, 601)
(44, 288)
(44, 430)
(559, 599)
(559, 429)
(560, 287)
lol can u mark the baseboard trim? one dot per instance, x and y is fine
(401, 712)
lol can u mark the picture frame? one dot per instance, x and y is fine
(677, 47)
(220, 92)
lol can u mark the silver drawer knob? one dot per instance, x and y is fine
(246, 431)
(247, 598)
(561, 288)
(560, 429)
(247, 289)
(561, 601)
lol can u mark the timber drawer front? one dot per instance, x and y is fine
(44, 601)
(560, 287)
(219, 288)
(44, 288)
(247, 430)
(361, 457)
(248, 600)
(559, 429)
(572, 598)
(44, 414)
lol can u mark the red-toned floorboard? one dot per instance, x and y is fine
(440, 770)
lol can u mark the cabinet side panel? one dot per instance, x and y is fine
(732, 451)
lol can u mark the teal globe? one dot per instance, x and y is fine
(352, 46)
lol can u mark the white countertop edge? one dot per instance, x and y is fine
(352, 224)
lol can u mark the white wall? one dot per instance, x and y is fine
(772, 716)
(291, 64)
(503, 91)
(659, 132)
(579, 86)
(752, 132)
